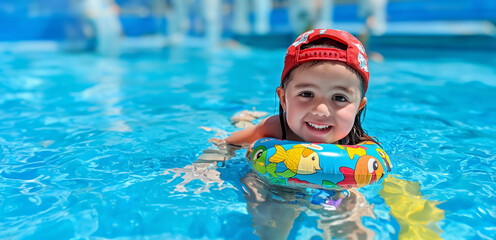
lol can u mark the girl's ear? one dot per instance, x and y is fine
(362, 104)
(282, 97)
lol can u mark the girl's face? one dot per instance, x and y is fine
(321, 101)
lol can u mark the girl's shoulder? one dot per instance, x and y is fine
(271, 126)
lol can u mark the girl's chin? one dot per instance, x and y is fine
(319, 139)
(315, 139)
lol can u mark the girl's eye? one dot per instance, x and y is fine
(340, 98)
(306, 94)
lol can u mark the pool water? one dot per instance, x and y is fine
(95, 147)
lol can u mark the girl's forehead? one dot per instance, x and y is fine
(325, 74)
(329, 66)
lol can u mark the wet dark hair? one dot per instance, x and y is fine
(357, 133)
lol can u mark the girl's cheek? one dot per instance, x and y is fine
(296, 104)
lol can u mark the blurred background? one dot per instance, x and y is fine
(106, 26)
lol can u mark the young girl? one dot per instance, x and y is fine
(322, 92)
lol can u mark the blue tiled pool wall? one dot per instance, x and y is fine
(58, 19)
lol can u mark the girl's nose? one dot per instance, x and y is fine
(321, 109)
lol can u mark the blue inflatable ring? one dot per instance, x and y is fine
(319, 166)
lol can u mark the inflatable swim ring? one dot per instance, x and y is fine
(319, 166)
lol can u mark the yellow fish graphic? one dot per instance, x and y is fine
(299, 160)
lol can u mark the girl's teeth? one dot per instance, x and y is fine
(320, 127)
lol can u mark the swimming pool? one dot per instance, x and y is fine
(85, 142)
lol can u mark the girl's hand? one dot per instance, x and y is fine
(217, 141)
(249, 151)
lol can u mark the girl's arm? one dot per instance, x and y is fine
(269, 127)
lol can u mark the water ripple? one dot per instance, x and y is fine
(85, 141)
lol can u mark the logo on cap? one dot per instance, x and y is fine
(362, 62)
(360, 47)
(304, 38)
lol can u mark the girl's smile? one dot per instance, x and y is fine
(318, 129)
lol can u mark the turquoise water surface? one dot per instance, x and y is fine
(98, 148)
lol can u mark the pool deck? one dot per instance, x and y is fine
(445, 34)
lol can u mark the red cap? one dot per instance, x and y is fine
(354, 55)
